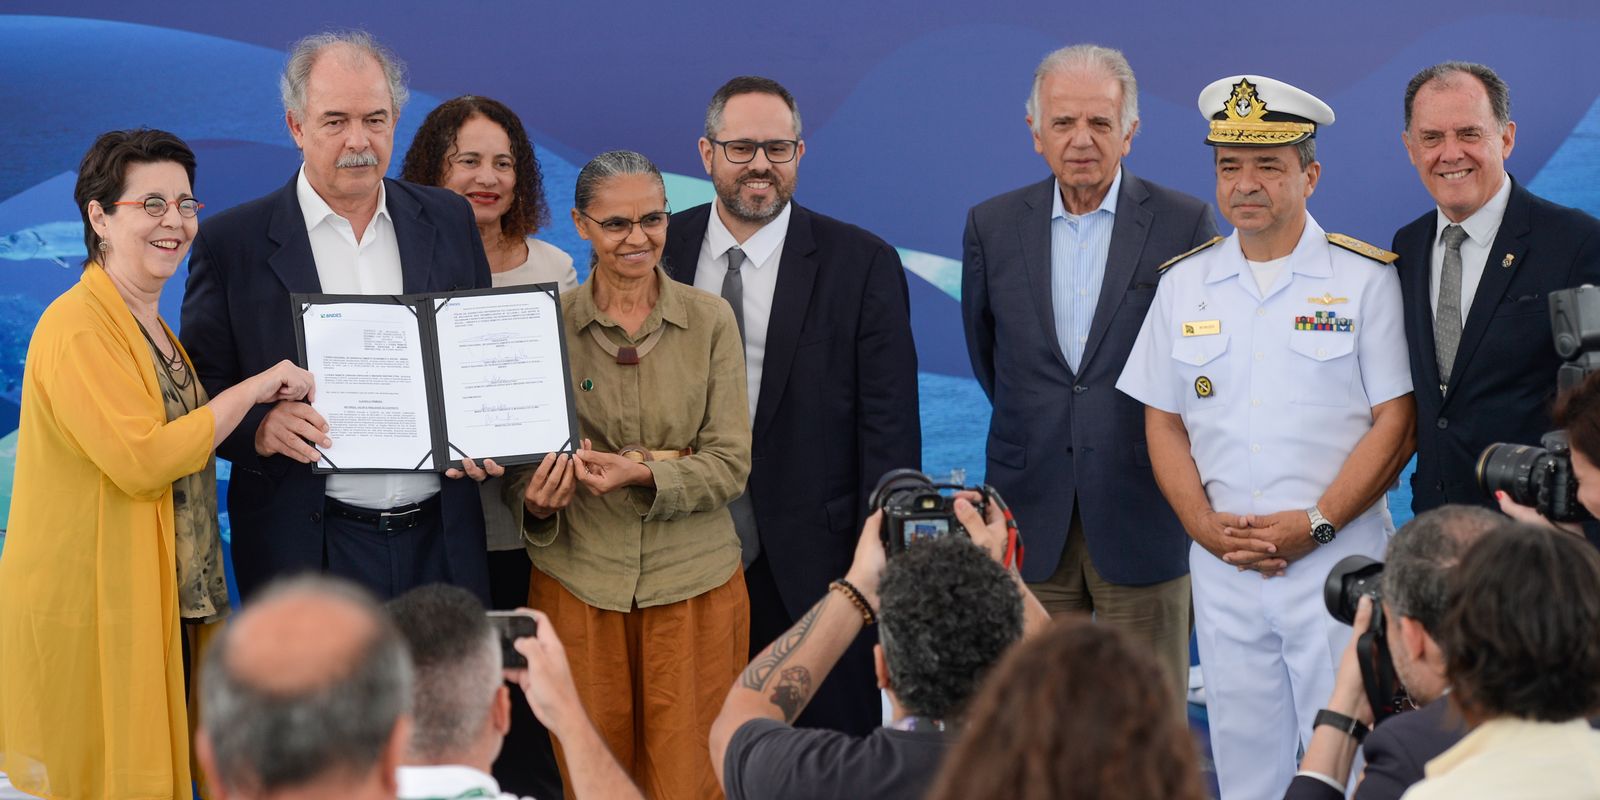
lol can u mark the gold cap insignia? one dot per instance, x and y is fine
(1245, 123)
(1257, 111)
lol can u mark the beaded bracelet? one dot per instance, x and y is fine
(857, 599)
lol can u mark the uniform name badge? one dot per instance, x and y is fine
(1205, 327)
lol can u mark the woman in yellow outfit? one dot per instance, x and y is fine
(112, 557)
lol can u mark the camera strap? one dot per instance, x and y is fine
(1380, 683)
(1013, 554)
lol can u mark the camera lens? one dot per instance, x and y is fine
(1352, 577)
(1513, 469)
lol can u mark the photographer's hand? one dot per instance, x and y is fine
(993, 536)
(1331, 752)
(1531, 515)
(866, 569)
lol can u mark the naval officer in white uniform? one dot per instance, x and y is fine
(1278, 407)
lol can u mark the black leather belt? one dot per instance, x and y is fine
(399, 518)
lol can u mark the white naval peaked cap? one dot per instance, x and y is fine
(1256, 111)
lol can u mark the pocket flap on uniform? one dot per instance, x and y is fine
(1198, 350)
(1322, 345)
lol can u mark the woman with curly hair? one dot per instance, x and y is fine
(477, 148)
(1080, 711)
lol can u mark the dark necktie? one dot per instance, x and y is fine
(733, 287)
(1447, 317)
(743, 513)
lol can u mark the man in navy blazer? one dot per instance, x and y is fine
(1482, 359)
(337, 227)
(825, 314)
(1056, 279)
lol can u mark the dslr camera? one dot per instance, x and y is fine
(1349, 579)
(916, 509)
(1542, 476)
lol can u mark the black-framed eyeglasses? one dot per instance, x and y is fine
(157, 206)
(621, 227)
(743, 151)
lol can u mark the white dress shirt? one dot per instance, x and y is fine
(1481, 228)
(370, 266)
(762, 251)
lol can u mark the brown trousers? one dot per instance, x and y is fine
(1159, 613)
(653, 679)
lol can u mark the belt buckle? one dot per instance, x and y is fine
(397, 520)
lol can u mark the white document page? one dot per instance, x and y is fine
(503, 378)
(367, 360)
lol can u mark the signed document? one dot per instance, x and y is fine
(419, 382)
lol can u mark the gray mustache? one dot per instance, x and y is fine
(367, 159)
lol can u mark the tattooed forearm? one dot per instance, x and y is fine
(756, 675)
(792, 692)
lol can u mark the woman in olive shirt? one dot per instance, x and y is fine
(636, 560)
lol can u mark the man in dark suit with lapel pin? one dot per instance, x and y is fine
(825, 315)
(1056, 279)
(1476, 273)
(337, 227)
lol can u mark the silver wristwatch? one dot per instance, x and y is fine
(1321, 529)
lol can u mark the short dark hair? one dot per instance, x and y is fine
(435, 142)
(266, 739)
(1079, 711)
(1497, 90)
(947, 612)
(456, 655)
(1522, 636)
(747, 84)
(103, 173)
(1578, 413)
(1422, 554)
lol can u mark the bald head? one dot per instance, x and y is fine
(300, 640)
(311, 685)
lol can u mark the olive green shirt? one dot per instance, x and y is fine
(638, 545)
(197, 535)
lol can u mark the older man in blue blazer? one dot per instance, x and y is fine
(1056, 279)
(1476, 274)
(337, 227)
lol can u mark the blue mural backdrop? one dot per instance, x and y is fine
(913, 112)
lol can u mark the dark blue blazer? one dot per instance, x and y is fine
(1504, 378)
(1396, 751)
(1059, 439)
(237, 322)
(838, 405)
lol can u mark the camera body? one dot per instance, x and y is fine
(1535, 476)
(916, 509)
(1542, 476)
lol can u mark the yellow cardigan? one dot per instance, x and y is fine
(91, 673)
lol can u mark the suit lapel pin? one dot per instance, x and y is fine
(1505, 263)
(587, 385)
